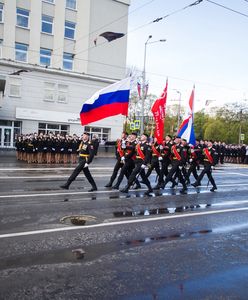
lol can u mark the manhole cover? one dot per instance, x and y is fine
(78, 220)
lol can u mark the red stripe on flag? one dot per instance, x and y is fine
(104, 111)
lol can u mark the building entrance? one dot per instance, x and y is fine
(6, 137)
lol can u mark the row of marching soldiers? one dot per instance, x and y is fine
(139, 158)
(50, 148)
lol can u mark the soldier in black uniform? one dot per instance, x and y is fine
(208, 162)
(128, 161)
(143, 156)
(177, 161)
(86, 154)
(119, 153)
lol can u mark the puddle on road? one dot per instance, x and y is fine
(91, 252)
(168, 237)
(158, 211)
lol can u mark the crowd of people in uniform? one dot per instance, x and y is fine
(174, 160)
(50, 148)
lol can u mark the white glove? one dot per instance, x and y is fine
(143, 166)
(123, 146)
(180, 167)
(85, 165)
(190, 160)
(123, 159)
(160, 158)
(161, 147)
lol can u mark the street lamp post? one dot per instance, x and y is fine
(144, 83)
(179, 109)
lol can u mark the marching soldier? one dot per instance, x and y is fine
(143, 154)
(177, 164)
(86, 154)
(208, 162)
(128, 161)
(156, 162)
(120, 146)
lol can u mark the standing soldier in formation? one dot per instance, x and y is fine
(86, 154)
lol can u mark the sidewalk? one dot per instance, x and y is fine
(8, 160)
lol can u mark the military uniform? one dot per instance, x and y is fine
(86, 154)
(119, 153)
(177, 161)
(208, 162)
(142, 158)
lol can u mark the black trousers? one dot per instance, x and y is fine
(193, 169)
(175, 164)
(155, 164)
(138, 170)
(126, 170)
(117, 167)
(86, 171)
(207, 170)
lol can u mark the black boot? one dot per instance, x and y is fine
(148, 192)
(137, 186)
(109, 184)
(184, 190)
(213, 188)
(94, 188)
(65, 186)
(174, 183)
(125, 189)
(116, 186)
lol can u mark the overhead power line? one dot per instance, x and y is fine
(228, 8)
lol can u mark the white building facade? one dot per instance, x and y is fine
(52, 59)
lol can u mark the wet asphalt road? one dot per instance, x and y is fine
(167, 246)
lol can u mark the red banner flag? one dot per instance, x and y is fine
(158, 110)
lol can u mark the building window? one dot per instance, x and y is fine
(22, 17)
(69, 30)
(1, 12)
(47, 24)
(45, 57)
(72, 4)
(49, 1)
(45, 128)
(102, 133)
(68, 61)
(49, 91)
(1, 47)
(21, 52)
(62, 93)
(15, 87)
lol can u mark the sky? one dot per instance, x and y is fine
(206, 46)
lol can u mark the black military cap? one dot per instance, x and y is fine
(145, 134)
(86, 133)
(134, 133)
(169, 136)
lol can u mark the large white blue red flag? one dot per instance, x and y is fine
(186, 129)
(109, 101)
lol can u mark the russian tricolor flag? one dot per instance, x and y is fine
(186, 129)
(109, 101)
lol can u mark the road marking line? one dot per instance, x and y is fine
(50, 176)
(231, 173)
(35, 232)
(50, 169)
(103, 192)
